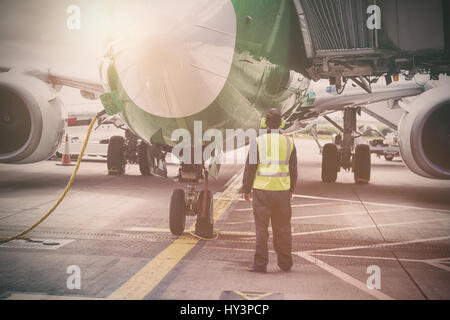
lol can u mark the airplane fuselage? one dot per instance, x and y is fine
(263, 71)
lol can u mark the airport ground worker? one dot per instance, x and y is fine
(269, 182)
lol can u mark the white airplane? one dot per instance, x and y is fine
(225, 63)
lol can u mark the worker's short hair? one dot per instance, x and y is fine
(273, 119)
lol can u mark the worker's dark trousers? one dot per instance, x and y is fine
(275, 206)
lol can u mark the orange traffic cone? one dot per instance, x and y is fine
(65, 160)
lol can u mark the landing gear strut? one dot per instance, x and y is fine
(152, 160)
(342, 153)
(128, 149)
(191, 202)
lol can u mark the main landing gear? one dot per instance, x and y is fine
(192, 202)
(342, 153)
(128, 149)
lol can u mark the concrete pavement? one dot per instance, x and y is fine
(115, 229)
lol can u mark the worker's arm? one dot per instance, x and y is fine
(293, 169)
(250, 168)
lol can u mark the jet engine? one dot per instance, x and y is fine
(32, 119)
(424, 134)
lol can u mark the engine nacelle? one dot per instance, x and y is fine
(424, 134)
(32, 119)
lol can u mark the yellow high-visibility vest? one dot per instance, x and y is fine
(274, 152)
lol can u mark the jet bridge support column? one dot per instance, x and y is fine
(348, 139)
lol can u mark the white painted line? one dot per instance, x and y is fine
(233, 177)
(295, 205)
(370, 202)
(344, 277)
(362, 212)
(378, 245)
(369, 226)
(365, 257)
(438, 265)
(357, 213)
(440, 260)
(363, 227)
(432, 262)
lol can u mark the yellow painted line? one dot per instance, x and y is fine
(237, 233)
(146, 279)
(187, 236)
(253, 296)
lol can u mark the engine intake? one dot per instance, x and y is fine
(31, 120)
(424, 134)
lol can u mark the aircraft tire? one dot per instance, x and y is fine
(177, 217)
(204, 226)
(330, 163)
(362, 164)
(116, 158)
(143, 159)
(389, 157)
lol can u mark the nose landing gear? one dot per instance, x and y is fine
(192, 202)
(183, 202)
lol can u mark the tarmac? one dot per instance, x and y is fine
(389, 239)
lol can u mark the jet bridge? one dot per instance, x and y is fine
(359, 39)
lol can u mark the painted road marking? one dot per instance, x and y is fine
(369, 226)
(362, 212)
(253, 295)
(186, 235)
(365, 257)
(242, 295)
(437, 263)
(311, 257)
(357, 213)
(146, 279)
(33, 296)
(147, 229)
(442, 211)
(345, 277)
(38, 244)
(378, 245)
(363, 227)
(369, 202)
(295, 205)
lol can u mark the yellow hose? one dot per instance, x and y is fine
(72, 178)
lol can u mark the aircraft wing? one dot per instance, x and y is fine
(328, 103)
(89, 89)
(335, 103)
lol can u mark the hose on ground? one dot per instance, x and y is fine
(66, 190)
